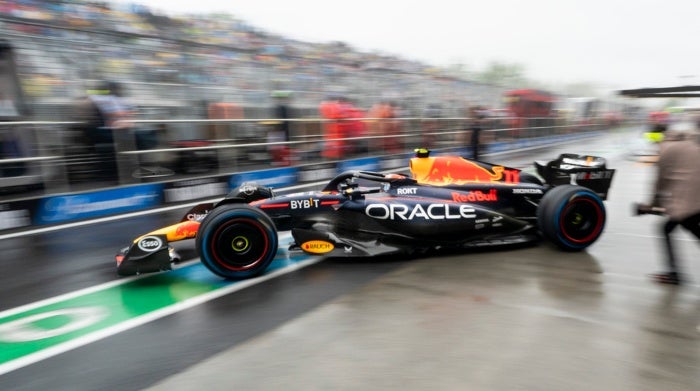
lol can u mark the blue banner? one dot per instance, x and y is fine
(364, 164)
(59, 209)
(277, 177)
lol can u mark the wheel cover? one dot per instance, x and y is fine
(581, 220)
(240, 244)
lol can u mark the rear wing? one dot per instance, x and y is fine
(583, 170)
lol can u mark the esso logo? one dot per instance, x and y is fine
(150, 243)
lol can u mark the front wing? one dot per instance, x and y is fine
(152, 252)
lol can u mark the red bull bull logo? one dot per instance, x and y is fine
(185, 230)
(450, 170)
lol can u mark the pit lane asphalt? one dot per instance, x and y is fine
(530, 318)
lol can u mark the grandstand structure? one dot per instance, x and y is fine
(175, 66)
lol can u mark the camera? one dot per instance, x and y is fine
(644, 209)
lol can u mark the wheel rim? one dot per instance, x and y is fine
(581, 220)
(240, 244)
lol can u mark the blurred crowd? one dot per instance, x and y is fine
(130, 43)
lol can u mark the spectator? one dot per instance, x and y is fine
(357, 129)
(11, 148)
(431, 125)
(676, 191)
(334, 110)
(350, 125)
(393, 127)
(476, 119)
(101, 113)
(280, 133)
(385, 126)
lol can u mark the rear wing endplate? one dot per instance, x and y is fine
(583, 170)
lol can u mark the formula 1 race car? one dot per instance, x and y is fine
(448, 202)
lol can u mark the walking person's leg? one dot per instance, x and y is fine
(672, 276)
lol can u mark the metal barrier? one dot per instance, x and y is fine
(56, 160)
(36, 159)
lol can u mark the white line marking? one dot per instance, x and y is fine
(150, 317)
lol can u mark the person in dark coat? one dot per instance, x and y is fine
(281, 131)
(677, 193)
(476, 117)
(102, 112)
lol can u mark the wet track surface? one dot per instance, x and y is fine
(531, 318)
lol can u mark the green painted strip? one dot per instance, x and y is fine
(31, 334)
(104, 308)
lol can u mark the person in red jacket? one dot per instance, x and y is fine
(384, 125)
(334, 111)
(357, 129)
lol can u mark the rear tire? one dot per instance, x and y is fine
(237, 241)
(571, 216)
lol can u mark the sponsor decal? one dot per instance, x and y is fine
(317, 247)
(150, 244)
(303, 204)
(495, 221)
(475, 196)
(406, 191)
(196, 216)
(511, 176)
(418, 211)
(72, 207)
(247, 188)
(186, 230)
(594, 175)
(347, 249)
(527, 191)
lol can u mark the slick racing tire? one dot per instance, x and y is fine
(237, 241)
(572, 217)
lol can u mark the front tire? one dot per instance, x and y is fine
(571, 216)
(237, 241)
